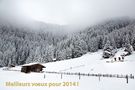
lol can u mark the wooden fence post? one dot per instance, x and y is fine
(61, 76)
(127, 78)
(44, 76)
(99, 75)
(79, 76)
(99, 78)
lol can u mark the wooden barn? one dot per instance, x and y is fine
(33, 67)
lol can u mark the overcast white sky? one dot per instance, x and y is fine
(66, 12)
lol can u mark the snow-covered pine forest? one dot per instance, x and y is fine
(20, 45)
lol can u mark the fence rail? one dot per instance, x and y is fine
(99, 75)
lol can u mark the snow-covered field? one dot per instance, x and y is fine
(89, 63)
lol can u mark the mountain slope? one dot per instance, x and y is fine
(19, 45)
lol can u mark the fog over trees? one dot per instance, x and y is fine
(19, 45)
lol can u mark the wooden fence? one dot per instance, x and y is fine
(99, 75)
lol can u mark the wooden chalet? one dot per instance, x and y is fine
(33, 67)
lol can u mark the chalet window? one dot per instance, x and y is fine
(119, 58)
(114, 59)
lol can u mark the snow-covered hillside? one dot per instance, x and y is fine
(88, 63)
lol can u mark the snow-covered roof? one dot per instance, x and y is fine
(29, 64)
(107, 52)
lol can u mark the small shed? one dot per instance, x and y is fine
(33, 67)
(11, 65)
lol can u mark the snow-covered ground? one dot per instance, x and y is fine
(89, 63)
